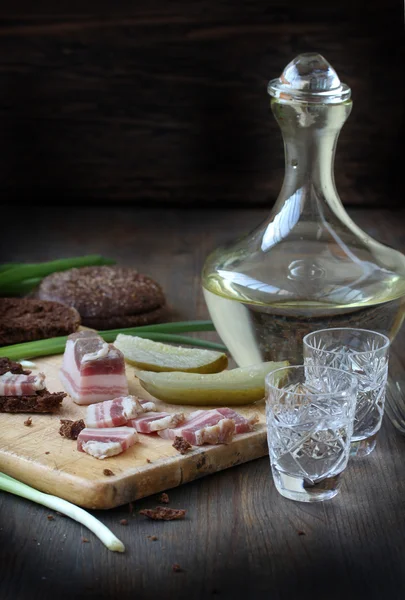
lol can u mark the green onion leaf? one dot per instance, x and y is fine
(13, 486)
(30, 270)
(20, 288)
(7, 266)
(173, 327)
(164, 332)
(170, 339)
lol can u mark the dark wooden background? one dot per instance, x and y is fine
(154, 102)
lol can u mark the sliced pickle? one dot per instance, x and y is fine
(156, 356)
(232, 387)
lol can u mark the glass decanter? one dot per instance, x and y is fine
(308, 266)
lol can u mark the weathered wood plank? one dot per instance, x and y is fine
(166, 103)
(239, 538)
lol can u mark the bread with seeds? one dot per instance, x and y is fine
(29, 319)
(107, 297)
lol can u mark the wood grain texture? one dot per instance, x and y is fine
(165, 103)
(39, 456)
(240, 538)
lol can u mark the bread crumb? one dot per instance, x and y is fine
(164, 498)
(28, 422)
(176, 568)
(153, 538)
(85, 540)
(148, 460)
(123, 522)
(301, 532)
(181, 444)
(50, 518)
(108, 472)
(47, 452)
(161, 513)
(71, 429)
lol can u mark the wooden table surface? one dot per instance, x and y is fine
(240, 539)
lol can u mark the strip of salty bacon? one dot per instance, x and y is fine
(150, 422)
(92, 370)
(205, 427)
(147, 405)
(113, 413)
(105, 442)
(242, 424)
(21, 385)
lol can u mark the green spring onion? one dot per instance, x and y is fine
(20, 288)
(164, 332)
(12, 274)
(7, 266)
(173, 327)
(13, 486)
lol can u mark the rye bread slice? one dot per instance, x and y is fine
(106, 296)
(29, 319)
(117, 322)
(11, 365)
(41, 402)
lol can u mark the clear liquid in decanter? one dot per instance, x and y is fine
(308, 266)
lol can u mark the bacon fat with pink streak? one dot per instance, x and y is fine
(104, 442)
(203, 427)
(92, 370)
(21, 385)
(150, 422)
(113, 413)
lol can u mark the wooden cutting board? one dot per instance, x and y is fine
(39, 456)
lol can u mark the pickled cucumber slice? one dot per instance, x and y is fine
(233, 387)
(156, 356)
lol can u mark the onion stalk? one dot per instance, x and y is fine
(19, 278)
(20, 288)
(164, 332)
(13, 486)
(7, 266)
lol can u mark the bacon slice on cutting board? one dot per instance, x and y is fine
(113, 413)
(242, 425)
(21, 385)
(147, 405)
(105, 442)
(92, 370)
(203, 427)
(211, 426)
(156, 421)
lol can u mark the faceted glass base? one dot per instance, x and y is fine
(361, 448)
(297, 488)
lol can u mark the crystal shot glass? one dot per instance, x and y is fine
(309, 417)
(365, 354)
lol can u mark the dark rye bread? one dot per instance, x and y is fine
(117, 322)
(11, 365)
(29, 319)
(41, 402)
(107, 297)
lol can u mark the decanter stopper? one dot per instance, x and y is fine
(309, 78)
